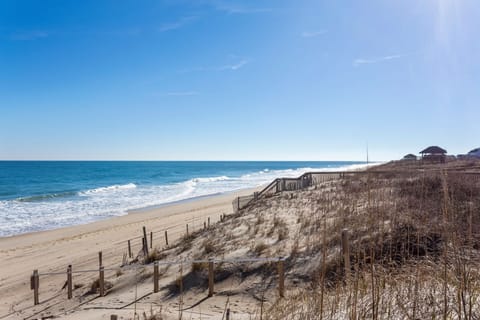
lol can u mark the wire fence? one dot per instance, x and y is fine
(135, 248)
(102, 288)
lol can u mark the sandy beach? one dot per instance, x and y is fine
(52, 251)
(264, 261)
(239, 160)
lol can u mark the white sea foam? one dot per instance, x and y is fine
(109, 189)
(211, 179)
(91, 205)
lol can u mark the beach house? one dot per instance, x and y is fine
(475, 153)
(434, 154)
(409, 157)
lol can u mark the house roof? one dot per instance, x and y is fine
(477, 150)
(434, 150)
(410, 156)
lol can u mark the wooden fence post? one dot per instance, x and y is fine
(281, 278)
(210, 278)
(100, 262)
(69, 282)
(129, 250)
(346, 253)
(35, 283)
(155, 276)
(151, 239)
(113, 317)
(208, 222)
(187, 229)
(146, 241)
(228, 314)
(166, 238)
(101, 282)
(204, 225)
(143, 246)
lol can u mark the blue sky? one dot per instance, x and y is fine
(237, 80)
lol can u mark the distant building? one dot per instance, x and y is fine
(434, 154)
(475, 153)
(410, 157)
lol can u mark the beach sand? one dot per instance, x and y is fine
(52, 251)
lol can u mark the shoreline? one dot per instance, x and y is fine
(147, 208)
(51, 251)
(187, 200)
(78, 245)
(138, 213)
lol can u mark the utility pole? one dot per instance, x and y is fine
(367, 152)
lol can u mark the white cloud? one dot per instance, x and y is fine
(227, 67)
(235, 66)
(225, 6)
(361, 61)
(177, 24)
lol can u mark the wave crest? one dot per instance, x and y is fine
(210, 179)
(108, 189)
(43, 197)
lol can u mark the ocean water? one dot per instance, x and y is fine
(42, 195)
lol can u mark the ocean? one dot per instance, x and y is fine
(43, 195)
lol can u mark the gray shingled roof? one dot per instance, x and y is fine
(434, 150)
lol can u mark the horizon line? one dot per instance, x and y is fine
(198, 160)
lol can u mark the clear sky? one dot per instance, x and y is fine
(244, 80)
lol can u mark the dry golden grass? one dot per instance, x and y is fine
(414, 249)
(414, 239)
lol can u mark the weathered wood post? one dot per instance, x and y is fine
(34, 284)
(129, 250)
(210, 278)
(113, 317)
(166, 238)
(100, 262)
(187, 229)
(146, 241)
(281, 278)
(208, 222)
(228, 314)
(346, 253)
(143, 246)
(101, 281)
(204, 225)
(69, 282)
(155, 276)
(180, 280)
(151, 239)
